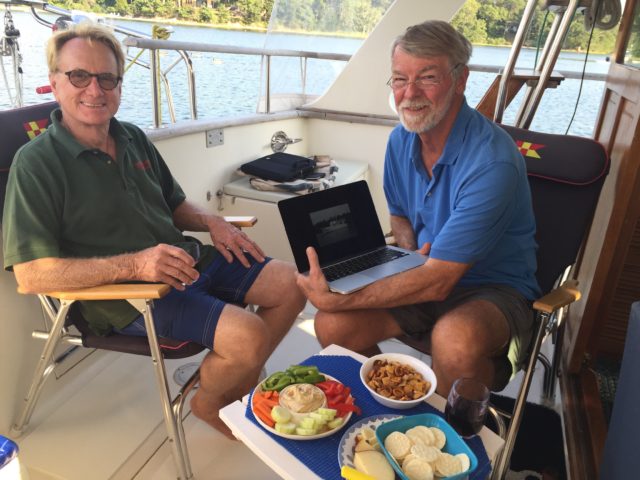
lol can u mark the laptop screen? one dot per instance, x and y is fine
(339, 223)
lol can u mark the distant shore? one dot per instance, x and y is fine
(256, 28)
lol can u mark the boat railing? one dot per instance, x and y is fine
(154, 45)
(267, 54)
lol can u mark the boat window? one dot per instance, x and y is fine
(331, 26)
(632, 53)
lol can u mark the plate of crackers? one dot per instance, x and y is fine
(424, 447)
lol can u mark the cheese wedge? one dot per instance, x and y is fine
(375, 464)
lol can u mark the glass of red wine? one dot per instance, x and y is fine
(467, 406)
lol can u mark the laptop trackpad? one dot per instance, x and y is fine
(351, 283)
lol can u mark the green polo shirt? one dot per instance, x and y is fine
(66, 200)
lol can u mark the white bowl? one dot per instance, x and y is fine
(415, 363)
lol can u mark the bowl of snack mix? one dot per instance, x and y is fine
(396, 380)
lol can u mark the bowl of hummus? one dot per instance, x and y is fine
(301, 398)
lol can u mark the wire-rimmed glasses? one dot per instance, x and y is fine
(424, 82)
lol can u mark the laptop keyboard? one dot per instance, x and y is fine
(361, 263)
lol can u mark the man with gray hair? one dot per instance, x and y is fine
(457, 190)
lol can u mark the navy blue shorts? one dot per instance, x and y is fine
(192, 315)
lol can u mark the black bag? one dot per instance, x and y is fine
(281, 167)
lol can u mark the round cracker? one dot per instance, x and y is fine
(398, 445)
(429, 453)
(421, 434)
(447, 465)
(440, 437)
(418, 469)
(408, 459)
(465, 462)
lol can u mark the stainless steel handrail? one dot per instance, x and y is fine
(143, 41)
(154, 45)
(554, 50)
(518, 42)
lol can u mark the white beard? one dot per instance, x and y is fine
(424, 121)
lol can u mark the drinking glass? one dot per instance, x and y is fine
(192, 248)
(467, 405)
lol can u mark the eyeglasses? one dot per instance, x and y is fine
(425, 82)
(82, 78)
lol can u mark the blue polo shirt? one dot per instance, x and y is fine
(475, 209)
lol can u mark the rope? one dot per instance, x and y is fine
(602, 14)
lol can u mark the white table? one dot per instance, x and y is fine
(284, 463)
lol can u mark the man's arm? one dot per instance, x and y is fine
(403, 232)
(227, 239)
(430, 282)
(162, 263)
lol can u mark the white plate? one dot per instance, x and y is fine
(348, 440)
(301, 437)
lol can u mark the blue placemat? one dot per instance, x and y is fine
(321, 455)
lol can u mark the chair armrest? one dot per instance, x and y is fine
(117, 291)
(242, 221)
(559, 297)
(131, 291)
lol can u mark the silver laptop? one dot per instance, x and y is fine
(342, 225)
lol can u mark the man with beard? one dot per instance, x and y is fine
(457, 190)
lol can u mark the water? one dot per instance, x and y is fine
(229, 85)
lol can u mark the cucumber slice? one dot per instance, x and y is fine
(280, 414)
(336, 422)
(319, 418)
(287, 428)
(330, 413)
(309, 423)
(305, 431)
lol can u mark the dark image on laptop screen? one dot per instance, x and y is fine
(333, 225)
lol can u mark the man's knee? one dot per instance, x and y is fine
(458, 342)
(244, 340)
(332, 328)
(276, 285)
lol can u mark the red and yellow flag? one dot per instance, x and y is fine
(35, 127)
(529, 149)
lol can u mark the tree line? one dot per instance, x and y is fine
(489, 22)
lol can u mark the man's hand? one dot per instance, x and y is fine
(165, 264)
(230, 240)
(315, 287)
(425, 249)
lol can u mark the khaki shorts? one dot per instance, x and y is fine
(417, 320)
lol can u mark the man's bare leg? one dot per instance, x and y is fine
(465, 342)
(357, 330)
(244, 341)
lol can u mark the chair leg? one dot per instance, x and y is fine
(178, 406)
(172, 423)
(45, 366)
(550, 384)
(504, 459)
(497, 418)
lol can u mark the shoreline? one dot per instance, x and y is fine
(260, 29)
